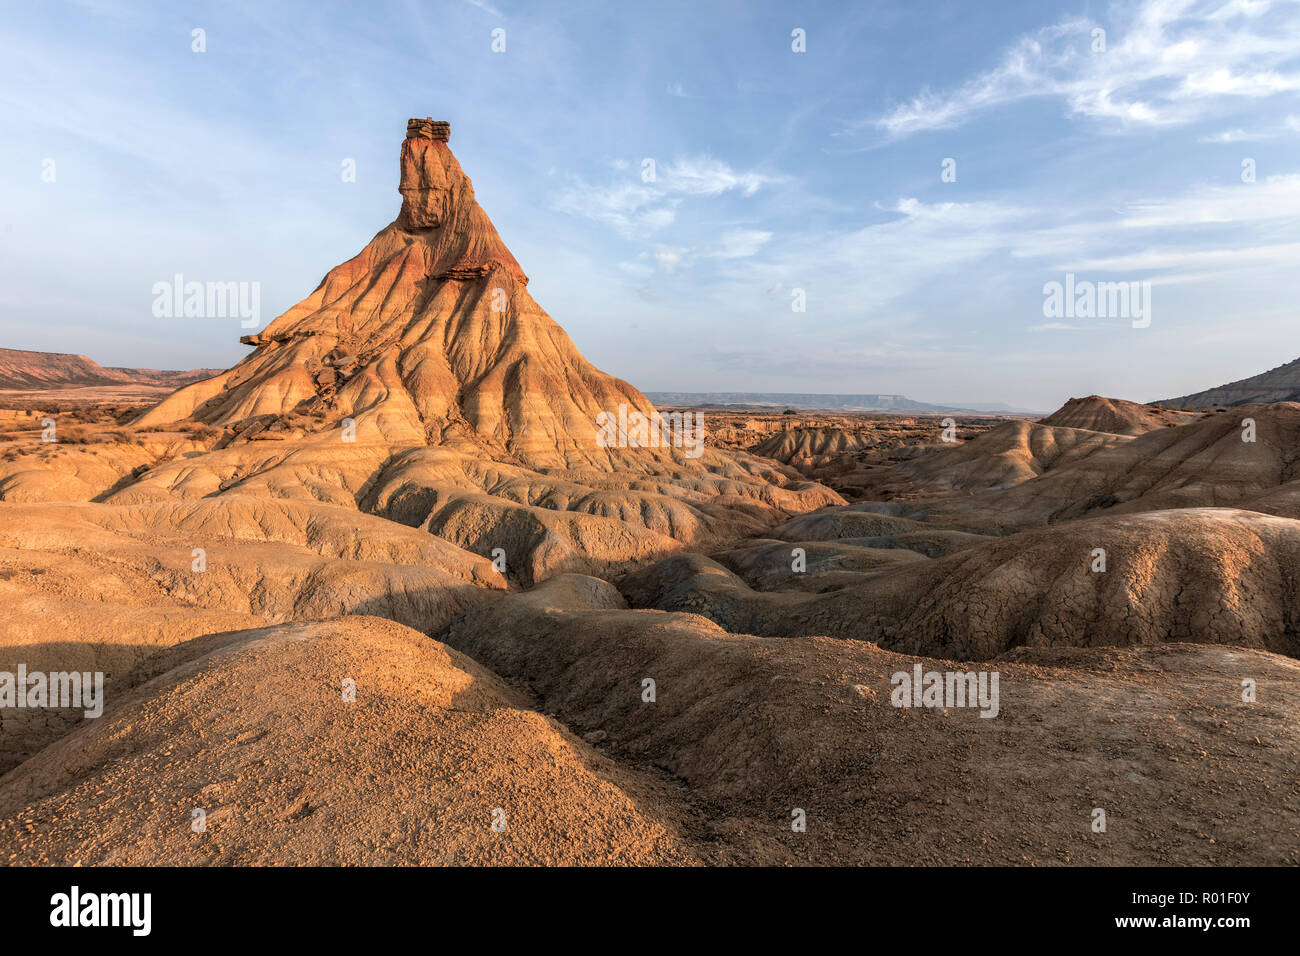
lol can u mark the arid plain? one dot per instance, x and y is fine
(384, 592)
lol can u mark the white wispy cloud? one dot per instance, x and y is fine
(630, 208)
(1231, 136)
(862, 271)
(734, 244)
(706, 176)
(486, 7)
(738, 244)
(1288, 127)
(1275, 198)
(637, 209)
(667, 259)
(1156, 259)
(1246, 233)
(1169, 62)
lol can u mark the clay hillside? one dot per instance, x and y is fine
(23, 370)
(1116, 416)
(1281, 384)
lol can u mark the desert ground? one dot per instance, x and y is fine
(383, 593)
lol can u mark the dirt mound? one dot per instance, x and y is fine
(768, 565)
(853, 521)
(741, 736)
(1116, 416)
(104, 588)
(853, 453)
(432, 752)
(84, 464)
(809, 447)
(61, 472)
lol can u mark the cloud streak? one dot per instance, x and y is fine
(1171, 62)
(637, 209)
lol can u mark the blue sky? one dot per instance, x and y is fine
(776, 171)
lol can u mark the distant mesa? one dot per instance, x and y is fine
(22, 370)
(805, 401)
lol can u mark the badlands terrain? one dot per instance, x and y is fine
(51, 379)
(383, 592)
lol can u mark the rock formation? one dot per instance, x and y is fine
(427, 336)
(1281, 384)
(1116, 416)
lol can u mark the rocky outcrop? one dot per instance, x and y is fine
(1281, 384)
(428, 128)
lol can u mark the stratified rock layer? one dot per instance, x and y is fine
(1281, 384)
